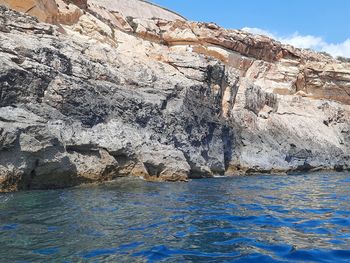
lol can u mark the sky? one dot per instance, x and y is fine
(322, 25)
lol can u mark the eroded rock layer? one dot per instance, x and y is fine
(98, 94)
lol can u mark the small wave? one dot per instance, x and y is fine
(220, 176)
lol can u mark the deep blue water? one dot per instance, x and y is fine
(302, 218)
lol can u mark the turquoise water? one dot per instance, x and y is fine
(302, 218)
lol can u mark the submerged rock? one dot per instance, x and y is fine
(98, 94)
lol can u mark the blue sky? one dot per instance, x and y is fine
(322, 25)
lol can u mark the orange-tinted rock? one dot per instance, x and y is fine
(80, 3)
(44, 10)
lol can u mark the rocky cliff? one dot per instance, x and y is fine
(101, 91)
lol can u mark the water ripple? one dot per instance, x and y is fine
(303, 218)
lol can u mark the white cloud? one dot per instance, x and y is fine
(307, 41)
(342, 49)
(258, 31)
(304, 41)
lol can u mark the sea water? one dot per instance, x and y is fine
(304, 217)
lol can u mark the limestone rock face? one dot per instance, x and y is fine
(98, 94)
(135, 8)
